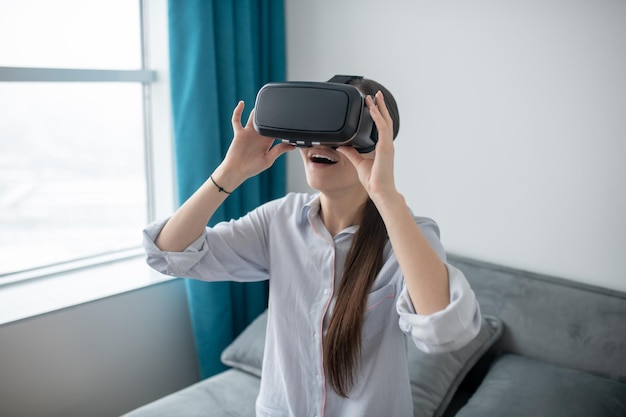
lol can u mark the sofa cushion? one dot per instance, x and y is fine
(552, 319)
(434, 377)
(246, 351)
(517, 386)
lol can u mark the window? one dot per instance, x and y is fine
(84, 134)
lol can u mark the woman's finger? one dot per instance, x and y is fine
(382, 107)
(236, 119)
(375, 112)
(250, 121)
(352, 154)
(279, 149)
(384, 125)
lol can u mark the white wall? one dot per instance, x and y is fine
(513, 130)
(101, 358)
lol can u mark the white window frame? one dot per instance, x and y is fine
(159, 162)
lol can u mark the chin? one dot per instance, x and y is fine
(329, 184)
(314, 183)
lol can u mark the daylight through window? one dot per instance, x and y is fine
(72, 131)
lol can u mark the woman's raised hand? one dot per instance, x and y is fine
(250, 153)
(376, 169)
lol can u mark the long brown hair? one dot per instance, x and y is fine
(342, 343)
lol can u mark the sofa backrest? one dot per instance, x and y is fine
(551, 319)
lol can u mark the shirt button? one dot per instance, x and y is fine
(325, 291)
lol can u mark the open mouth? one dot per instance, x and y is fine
(322, 159)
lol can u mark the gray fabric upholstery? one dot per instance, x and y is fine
(434, 377)
(553, 323)
(231, 393)
(520, 387)
(553, 320)
(246, 351)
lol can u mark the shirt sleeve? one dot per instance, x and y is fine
(451, 328)
(448, 329)
(230, 251)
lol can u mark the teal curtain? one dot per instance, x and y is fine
(222, 51)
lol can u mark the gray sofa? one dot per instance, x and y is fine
(547, 347)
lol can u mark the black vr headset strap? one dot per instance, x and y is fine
(344, 79)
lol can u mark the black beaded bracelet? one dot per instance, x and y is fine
(222, 190)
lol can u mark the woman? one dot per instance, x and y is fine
(352, 272)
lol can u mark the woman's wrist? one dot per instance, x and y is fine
(225, 180)
(389, 203)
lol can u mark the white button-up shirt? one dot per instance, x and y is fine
(285, 241)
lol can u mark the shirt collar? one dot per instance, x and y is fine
(312, 208)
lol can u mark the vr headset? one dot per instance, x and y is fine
(306, 114)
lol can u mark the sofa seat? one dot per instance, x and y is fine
(516, 386)
(231, 393)
(548, 346)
